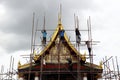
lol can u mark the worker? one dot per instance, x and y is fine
(78, 36)
(44, 62)
(44, 36)
(70, 65)
(61, 33)
(88, 46)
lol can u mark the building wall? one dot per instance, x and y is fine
(60, 54)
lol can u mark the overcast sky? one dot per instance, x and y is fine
(16, 23)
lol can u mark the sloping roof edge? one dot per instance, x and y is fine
(48, 45)
(36, 57)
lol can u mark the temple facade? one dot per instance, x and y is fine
(59, 60)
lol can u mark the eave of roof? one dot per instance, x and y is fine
(25, 65)
(94, 66)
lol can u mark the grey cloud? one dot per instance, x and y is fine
(12, 42)
(19, 21)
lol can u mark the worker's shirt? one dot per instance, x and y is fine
(77, 32)
(44, 34)
(88, 44)
(78, 36)
(62, 33)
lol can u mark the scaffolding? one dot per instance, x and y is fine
(10, 73)
(90, 56)
(109, 72)
(111, 68)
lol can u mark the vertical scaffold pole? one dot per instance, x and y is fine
(31, 54)
(89, 46)
(41, 67)
(114, 69)
(118, 68)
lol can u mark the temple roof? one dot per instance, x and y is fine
(52, 40)
(59, 27)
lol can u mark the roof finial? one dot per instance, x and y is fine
(59, 15)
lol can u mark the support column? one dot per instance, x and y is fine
(85, 77)
(20, 77)
(36, 76)
(80, 76)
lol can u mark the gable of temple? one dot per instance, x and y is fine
(58, 50)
